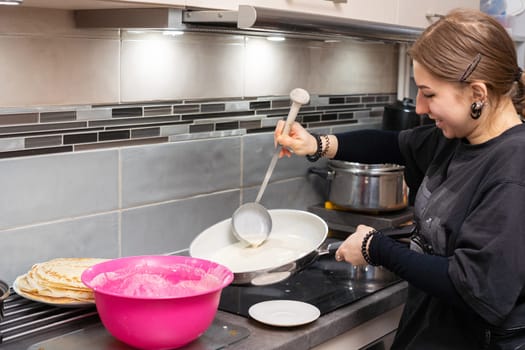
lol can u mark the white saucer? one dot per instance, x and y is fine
(284, 313)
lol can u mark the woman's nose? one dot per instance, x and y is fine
(421, 105)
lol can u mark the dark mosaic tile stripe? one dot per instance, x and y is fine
(265, 129)
(250, 124)
(20, 118)
(311, 118)
(329, 123)
(112, 144)
(346, 115)
(148, 125)
(113, 135)
(329, 116)
(201, 128)
(146, 132)
(43, 141)
(336, 100)
(260, 105)
(126, 112)
(385, 98)
(35, 151)
(130, 127)
(281, 103)
(68, 131)
(55, 117)
(377, 104)
(131, 121)
(213, 107)
(352, 99)
(283, 111)
(186, 109)
(340, 107)
(227, 126)
(216, 115)
(156, 110)
(80, 138)
(41, 127)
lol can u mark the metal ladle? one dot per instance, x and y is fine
(251, 222)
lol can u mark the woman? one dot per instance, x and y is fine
(467, 278)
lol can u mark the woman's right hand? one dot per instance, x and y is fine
(298, 141)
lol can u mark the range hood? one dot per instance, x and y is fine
(247, 19)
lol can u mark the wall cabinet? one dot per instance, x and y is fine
(412, 13)
(369, 10)
(417, 13)
(403, 12)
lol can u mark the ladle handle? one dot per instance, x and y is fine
(299, 97)
(292, 114)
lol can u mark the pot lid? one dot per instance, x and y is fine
(365, 169)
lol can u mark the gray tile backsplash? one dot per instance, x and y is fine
(114, 143)
(148, 199)
(48, 188)
(90, 236)
(179, 170)
(171, 226)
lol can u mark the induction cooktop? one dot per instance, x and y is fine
(325, 283)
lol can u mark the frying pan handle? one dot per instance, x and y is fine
(398, 233)
(330, 248)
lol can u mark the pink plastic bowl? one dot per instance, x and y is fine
(157, 302)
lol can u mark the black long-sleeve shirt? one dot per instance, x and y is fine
(427, 272)
(468, 204)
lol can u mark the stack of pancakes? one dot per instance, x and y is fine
(57, 281)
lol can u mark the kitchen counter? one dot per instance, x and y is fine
(331, 325)
(262, 336)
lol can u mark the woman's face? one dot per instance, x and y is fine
(444, 103)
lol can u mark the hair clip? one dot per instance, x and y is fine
(470, 68)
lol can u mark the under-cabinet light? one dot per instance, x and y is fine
(173, 32)
(11, 2)
(276, 38)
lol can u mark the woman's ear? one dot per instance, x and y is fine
(479, 91)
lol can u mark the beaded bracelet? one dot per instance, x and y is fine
(364, 251)
(319, 152)
(327, 142)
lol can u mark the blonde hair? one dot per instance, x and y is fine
(473, 45)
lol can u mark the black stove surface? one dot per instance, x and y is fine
(347, 220)
(326, 283)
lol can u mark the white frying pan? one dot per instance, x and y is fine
(293, 243)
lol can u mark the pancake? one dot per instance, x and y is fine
(63, 272)
(57, 281)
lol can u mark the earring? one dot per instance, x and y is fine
(475, 109)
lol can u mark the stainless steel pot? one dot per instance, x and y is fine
(365, 187)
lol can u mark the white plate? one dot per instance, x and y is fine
(34, 298)
(284, 313)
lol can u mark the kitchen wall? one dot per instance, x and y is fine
(119, 143)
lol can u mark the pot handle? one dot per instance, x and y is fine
(322, 172)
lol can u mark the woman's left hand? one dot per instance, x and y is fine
(350, 250)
